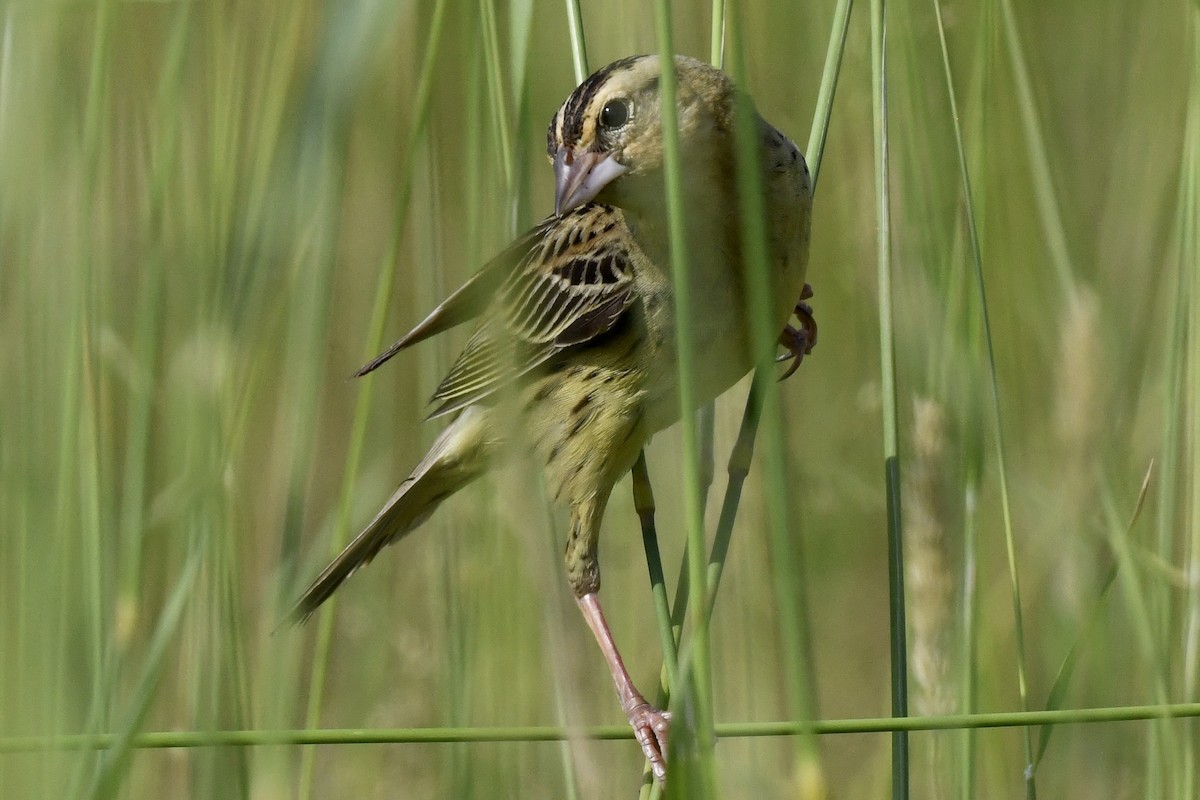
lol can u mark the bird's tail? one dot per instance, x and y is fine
(458, 456)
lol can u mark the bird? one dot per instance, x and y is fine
(572, 363)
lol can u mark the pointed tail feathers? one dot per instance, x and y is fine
(458, 456)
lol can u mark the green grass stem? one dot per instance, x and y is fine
(542, 733)
(891, 419)
(383, 293)
(699, 668)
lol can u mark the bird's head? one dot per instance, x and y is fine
(608, 133)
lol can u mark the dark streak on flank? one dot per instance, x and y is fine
(582, 404)
(543, 392)
(576, 427)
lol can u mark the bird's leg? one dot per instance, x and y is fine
(799, 341)
(649, 724)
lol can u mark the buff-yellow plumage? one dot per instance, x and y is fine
(574, 353)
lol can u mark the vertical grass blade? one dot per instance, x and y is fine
(383, 293)
(1189, 259)
(787, 565)
(834, 51)
(891, 420)
(996, 418)
(115, 760)
(716, 36)
(579, 59)
(698, 670)
(1048, 206)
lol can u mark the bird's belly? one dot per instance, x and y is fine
(721, 350)
(721, 357)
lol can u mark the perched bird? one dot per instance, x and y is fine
(574, 355)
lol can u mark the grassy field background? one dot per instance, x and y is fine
(201, 207)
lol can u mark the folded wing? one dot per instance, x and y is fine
(573, 285)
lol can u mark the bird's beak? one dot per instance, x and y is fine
(579, 177)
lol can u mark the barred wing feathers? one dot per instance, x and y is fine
(573, 285)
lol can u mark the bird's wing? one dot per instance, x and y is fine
(470, 300)
(573, 285)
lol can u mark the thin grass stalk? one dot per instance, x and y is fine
(67, 500)
(739, 469)
(383, 293)
(891, 422)
(1062, 679)
(643, 503)
(1189, 258)
(1129, 578)
(971, 328)
(700, 671)
(997, 420)
(643, 496)
(6, 51)
(1052, 224)
(93, 410)
(119, 746)
(495, 84)
(131, 525)
(155, 740)
(228, 701)
(932, 468)
(430, 288)
(829, 80)
(54, 661)
(555, 620)
(645, 515)
(716, 36)
(85, 413)
(318, 149)
(969, 626)
(520, 32)
(670, 624)
(1043, 186)
(972, 475)
(267, 66)
(706, 422)
(1176, 458)
(668, 632)
(677, 614)
(744, 446)
(14, 547)
(787, 584)
(91, 526)
(579, 59)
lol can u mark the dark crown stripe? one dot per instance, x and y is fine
(573, 110)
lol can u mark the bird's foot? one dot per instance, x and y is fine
(799, 341)
(650, 726)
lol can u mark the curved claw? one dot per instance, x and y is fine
(799, 341)
(651, 728)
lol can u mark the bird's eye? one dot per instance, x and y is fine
(614, 114)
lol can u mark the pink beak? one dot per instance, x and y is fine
(579, 177)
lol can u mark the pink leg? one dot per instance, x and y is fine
(649, 724)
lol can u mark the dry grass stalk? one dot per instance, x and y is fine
(930, 580)
(1077, 415)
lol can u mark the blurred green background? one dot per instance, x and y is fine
(197, 204)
